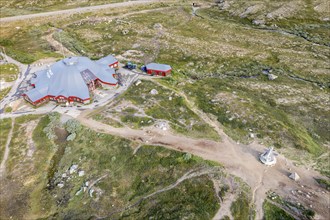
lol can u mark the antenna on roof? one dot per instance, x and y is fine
(62, 50)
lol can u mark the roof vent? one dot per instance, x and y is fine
(70, 61)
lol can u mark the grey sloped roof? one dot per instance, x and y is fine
(157, 66)
(34, 95)
(107, 60)
(107, 76)
(68, 77)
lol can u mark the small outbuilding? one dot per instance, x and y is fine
(158, 69)
(109, 60)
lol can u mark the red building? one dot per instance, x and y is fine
(71, 80)
(110, 60)
(158, 69)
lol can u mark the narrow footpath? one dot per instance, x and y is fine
(7, 150)
(238, 159)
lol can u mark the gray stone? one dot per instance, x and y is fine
(81, 173)
(153, 92)
(272, 76)
(125, 32)
(60, 185)
(158, 26)
(73, 169)
(258, 22)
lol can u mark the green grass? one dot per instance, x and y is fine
(4, 92)
(5, 126)
(41, 201)
(8, 109)
(107, 120)
(192, 207)
(272, 212)
(136, 121)
(129, 177)
(27, 45)
(27, 176)
(182, 119)
(283, 209)
(324, 183)
(8, 72)
(242, 110)
(242, 207)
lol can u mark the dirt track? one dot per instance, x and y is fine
(76, 10)
(7, 149)
(240, 160)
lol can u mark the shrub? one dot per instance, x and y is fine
(73, 126)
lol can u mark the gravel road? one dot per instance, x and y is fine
(76, 10)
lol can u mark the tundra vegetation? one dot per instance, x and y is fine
(5, 127)
(8, 74)
(223, 60)
(99, 175)
(138, 107)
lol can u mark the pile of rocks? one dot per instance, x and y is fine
(71, 173)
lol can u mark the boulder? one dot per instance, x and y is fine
(157, 26)
(272, 76)
(81, 173)
(153, 92)
(60, 185)
(73, 169)
(125, 32)
(258, 22)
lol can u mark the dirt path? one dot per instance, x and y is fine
(29, 134)
(257, 199)
(238, 159)
(76, 10)
(213, 123)
(186, 176)
(189, 175)
(58, 46)
(225, 207)
(7, 149)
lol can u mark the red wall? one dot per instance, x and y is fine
(157, 72)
